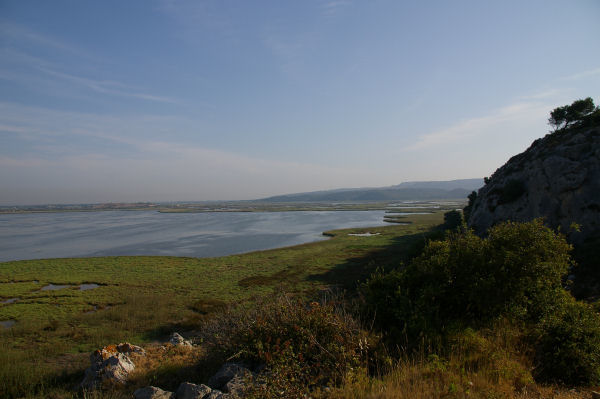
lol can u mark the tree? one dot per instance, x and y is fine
(568, 115)
(452, 219)
(467, 209)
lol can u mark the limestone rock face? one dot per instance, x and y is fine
(557, 178)
(111, 365)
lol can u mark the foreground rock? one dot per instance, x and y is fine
(557, 177)
(177, 340)
(192, 391)
(111, 365)
(186, 390)
(231, 378)
(152, 393)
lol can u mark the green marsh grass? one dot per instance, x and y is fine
(143, 299)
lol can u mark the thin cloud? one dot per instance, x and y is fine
(541, 95)
(18, 32)
(583, 74)
(480, 125)
(331, 8)
(107, 86)
(195, 18)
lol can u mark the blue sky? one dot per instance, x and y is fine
(170, 100)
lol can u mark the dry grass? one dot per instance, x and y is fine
(490, 364)
(415, 380)
(165, 366)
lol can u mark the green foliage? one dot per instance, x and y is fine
(467, 280)
(452, 220)
(577, 113)
(528, 262)
(516, 273)
(568, 345)
(467, 209)
(587, 256)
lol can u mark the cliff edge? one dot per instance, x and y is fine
(557, 178)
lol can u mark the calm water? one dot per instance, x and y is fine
(77, 234)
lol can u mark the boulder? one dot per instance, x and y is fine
(237, 385)
(152, 393)
(216, 394)
(230, 372)
(188, 390)
(111, 365)
(178, 340)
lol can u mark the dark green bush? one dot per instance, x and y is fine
(515, 273)
(453, 219)
(568, 345)
(527, 263)
(469, 208)
(467, 280)
(587, 256)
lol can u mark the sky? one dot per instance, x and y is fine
(181, 100)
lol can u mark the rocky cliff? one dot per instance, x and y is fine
(557, 178)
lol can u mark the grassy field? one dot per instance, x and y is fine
(143, 299)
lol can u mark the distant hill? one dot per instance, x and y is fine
(465, 184)
(423, 190)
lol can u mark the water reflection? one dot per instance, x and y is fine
(111, 233)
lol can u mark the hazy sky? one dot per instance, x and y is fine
(202, 100)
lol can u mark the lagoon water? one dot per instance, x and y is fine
(109, 233)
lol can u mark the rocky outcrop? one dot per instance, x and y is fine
(186, 390)
(152, 393)
(177, 340)
(557, 178)
(227, 373)
(232, 378)
(111, 365)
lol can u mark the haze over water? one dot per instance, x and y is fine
(112, 233)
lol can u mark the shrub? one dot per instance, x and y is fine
(465, 280)
(452, 220)
(527, 262)
(469, 208)
(302, 346)
(568, 346)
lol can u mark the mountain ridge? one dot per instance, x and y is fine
(413, 190)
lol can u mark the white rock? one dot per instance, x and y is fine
(178, 340)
